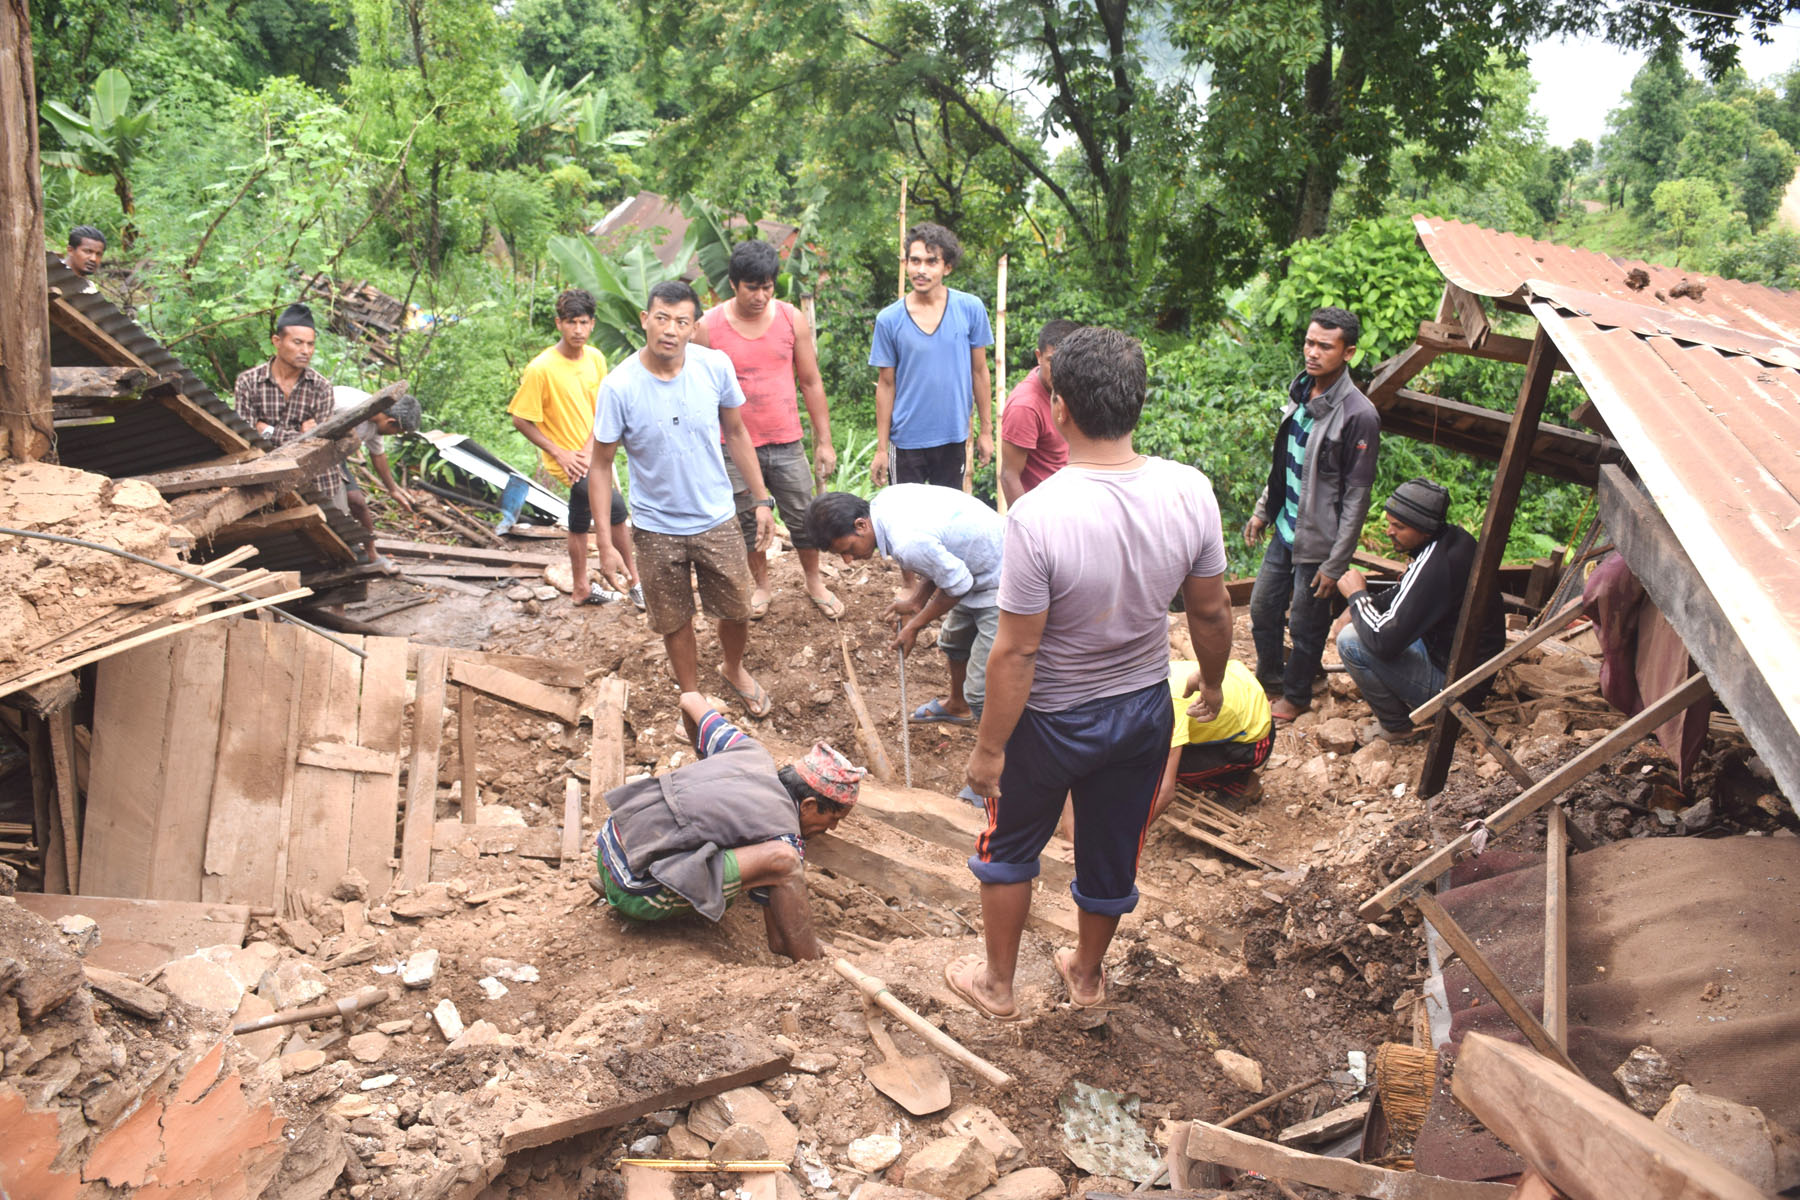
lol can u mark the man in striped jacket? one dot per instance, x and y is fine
(1396, 644)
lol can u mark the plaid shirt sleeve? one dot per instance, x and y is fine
(260, 401)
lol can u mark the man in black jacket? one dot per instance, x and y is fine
(1396, 645)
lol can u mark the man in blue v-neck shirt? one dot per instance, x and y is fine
(930, 351)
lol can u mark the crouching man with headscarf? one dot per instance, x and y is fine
(733, 823)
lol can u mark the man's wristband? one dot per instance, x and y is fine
(765, 502)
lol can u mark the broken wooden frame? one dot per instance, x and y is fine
(1197, 1142)
(1582, 1141)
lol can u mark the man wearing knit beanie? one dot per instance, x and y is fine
(1396, 645)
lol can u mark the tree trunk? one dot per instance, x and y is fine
(25, 429)
(1312, 210)
(127, 205)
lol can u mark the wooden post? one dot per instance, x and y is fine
(465, 751)
(997, 392)
(1556, 927)
(25, 315)
(1484, 578)
(903, 237)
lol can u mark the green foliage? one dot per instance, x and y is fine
(1687, 207)
(104, 139)
(1376, 269)
(619, 284)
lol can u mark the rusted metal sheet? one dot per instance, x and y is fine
(1503, 264)
(1715, 439)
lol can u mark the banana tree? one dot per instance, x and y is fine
(105, 139)
(620, 285)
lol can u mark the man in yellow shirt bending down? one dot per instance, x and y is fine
(554, 409)
(1220, 755)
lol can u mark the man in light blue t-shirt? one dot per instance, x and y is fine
(668, 405)
(931, 351)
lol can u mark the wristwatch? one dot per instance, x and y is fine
(765, 502)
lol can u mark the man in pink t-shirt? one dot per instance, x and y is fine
(770, 344)
(1031, 449)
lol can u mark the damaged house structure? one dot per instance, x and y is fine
(296, 913)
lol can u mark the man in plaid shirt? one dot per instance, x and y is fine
(284, 397)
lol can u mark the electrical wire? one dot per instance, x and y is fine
(162, 566)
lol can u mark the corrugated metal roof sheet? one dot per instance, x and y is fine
(1504, 264)
(1702, 392)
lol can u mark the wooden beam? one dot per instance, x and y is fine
(1451, 338)
(1556, 451)
(465, 749)
(262, 525)
(1478, 965)
(502, 684)
(287, 467)
(1483, 592)
(342, 424)
(74, 323)
(342, 756)
(1469, 314)
(1553, 624)
(26, 430)
(203, 422)
(422, 769)
(1556, 927)
(106, 383)
(62, 758)
(1399, 371)
(1679, 592)
(1590, 1146)
(1538, 794)
(1485, 736)
(606, 754)
(203, 514)
(1209, 1143)
(395, 547)
(551, 672)
(706, 1064)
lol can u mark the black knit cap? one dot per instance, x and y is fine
(294, 314)
(1420, 503)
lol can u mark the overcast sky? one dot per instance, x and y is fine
(1580, 80)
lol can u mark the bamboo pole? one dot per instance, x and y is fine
(903, 237)
(997, 407)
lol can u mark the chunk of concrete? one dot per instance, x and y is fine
(685, 1143)
(294, 982)
(1246, 1073)
(264, 1043)
(972, 1120)
(1337, 735)
(80, 934)
(482, 1035)
(741, 1143)
(431, 902)
(302, 1062)
(51, 972)
(368, 1047)
(953, 1168)
(419, 969)
(202, 983)
(1737, 1136)
(449, 1021)
(1032, 1183)
(876, 1152)
(711, 1117)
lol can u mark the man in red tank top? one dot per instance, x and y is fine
(770, 344)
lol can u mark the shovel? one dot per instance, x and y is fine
(917, 1084)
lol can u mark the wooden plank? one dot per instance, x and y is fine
(46, 816)
(465, 750)
(188, 764)
(130, 721)
(1242, 854)
(1473, 320)
(1496, 526)
(502, 684)
(709, 1062)
(340, 424)
(422, 769)
(319, 840)
(290, 768)
(137, 936)
(1552, 625)
(1485, 736)
(262, 525)
(1556, 927)
(1687, 600)
(606, 753)
(1478, 965)
(1448, 338)
(341, 756)
(375, 810)
(551, 672)
(1399, 371)
(460, 570)
(571, 828)
(395, 547)
(1209, 1143)
(1590, 1146)
(72, 321)
(1538, 794)
(260, 684)
(276, 470)
(62, 759)
(205, 423)
(204, 513)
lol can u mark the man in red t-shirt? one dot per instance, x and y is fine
(1031, 450)
(770, 344)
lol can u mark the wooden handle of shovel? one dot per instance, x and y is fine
(934, 1037)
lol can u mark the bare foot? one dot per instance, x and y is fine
(967, 976)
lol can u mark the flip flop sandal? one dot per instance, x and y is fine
(756, 703)
(968, 997)
(830, 605)
(759, 611)
(933, 712)
(1062, 969)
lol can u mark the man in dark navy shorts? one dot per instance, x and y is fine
(1077, 687)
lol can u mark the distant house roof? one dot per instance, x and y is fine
(649, 211)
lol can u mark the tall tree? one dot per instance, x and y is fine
(24, 318)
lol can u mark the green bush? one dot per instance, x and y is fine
(1374, 268)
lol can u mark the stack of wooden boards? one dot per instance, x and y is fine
(247, 762)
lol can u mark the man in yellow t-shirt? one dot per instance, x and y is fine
(1220, 755)
(554, 409)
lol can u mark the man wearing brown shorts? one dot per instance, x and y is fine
(668, 405)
